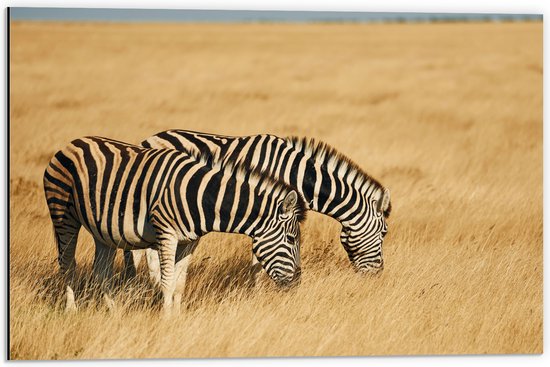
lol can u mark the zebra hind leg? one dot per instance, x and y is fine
(66, 225)
(103, 271)
(66, 236)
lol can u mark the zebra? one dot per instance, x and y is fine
(132, 197)
(331, 184)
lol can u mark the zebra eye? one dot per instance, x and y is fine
(290, 238)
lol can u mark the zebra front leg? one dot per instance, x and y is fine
(103, 271)
(153, 265)
(184, 254)
(167, 255)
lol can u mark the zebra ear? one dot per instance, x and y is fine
(384, 202)
(289, 203)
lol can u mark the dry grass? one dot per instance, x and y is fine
(448, 116)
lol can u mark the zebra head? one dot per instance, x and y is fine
(363, 237)
(277, 244)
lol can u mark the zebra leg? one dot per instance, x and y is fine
(167, 255)
(66, 236)
(132, 258)
(254, 270)
(153, 264)
(184, 253)
(103, 271)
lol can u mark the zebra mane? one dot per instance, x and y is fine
(333, 159)
(252, 175)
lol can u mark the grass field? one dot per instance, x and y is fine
(448, 116)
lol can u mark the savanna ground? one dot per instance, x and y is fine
(448, 116)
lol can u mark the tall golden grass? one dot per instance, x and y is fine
(448, 116)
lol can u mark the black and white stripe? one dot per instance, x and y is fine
(329, 182)
(132, 197)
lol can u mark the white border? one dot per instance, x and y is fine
(462, 6)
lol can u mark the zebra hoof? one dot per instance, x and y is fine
(70, 304)
(70, 308)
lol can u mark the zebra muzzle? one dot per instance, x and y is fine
(287, 282)
(370, 268)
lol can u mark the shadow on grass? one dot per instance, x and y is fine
(131, 293)
(214, 283)
(206, 283)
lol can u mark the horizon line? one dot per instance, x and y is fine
(234, 16)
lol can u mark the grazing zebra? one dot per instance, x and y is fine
(132, 197)
(330, 183)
